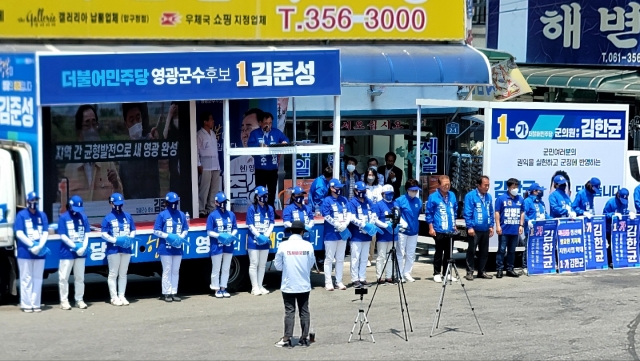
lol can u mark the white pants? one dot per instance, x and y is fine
(219, 278)
(334, 251)
(64, 270)
(207, 189)
(406, 252)
(170, 274)
(383, 250)
(118, 266)
(257, 263)
(359, 258)
(31, 272)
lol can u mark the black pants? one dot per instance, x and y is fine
(269, 179)
(609, 254)
(481, 241)
(443, 246)
(290, 300)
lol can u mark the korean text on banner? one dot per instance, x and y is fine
(541, 255)
(433, 20)
(570, 245)
(595, 246)
(624, 242)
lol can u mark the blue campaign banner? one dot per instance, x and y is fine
(624, 242)
(595, 246)
(570, 245)
(429, 155)
(3, 213)
(541, 257)
(145, 249)
(148, 77)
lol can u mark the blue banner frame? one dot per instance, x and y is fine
(624, 242)
(571, 257)
(595, 243)
(541, 254)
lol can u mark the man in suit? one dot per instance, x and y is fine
(392, 174)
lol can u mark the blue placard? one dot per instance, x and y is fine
(624, 242)
(3, 213)
(429, 155)
(595, 246)
(453, 128)
(147, 77)
(570, 246)
(541, 257)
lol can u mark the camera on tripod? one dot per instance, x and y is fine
(361, 291)
(394, 216)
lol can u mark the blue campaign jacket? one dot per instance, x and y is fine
(583, 202)
(117, 224)
(557, 202)
(533, 207)
(410, 209)
(74, 227)
(636, 198)
(611, 208)
(334, 209)
(221, 221)
(361, 213)
(509, 210)
(383, 208)
(317, 192)
(261, 218)
(441, 213)
(30, 224)
(478, 212)
(171, 222)
(258, 137)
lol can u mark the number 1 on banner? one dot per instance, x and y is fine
(502, 134)
(242, 74)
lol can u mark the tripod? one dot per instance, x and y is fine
(395, 270)
(361, 317)
(451, 267)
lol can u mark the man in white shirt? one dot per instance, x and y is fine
(295, 258)
(208, 165)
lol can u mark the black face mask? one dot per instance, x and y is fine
(562, 187)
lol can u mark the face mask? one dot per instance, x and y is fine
(222, 206)
(562, 187)
(33, 205)
(172, 206)
(371, 179)
(338, 191)
(540, 194)
(135, 132)
(514, 192)
(298, 199)
(351, 168)
(118, 208)
(74, 213)
(360, 194)
(412, 194)
(90, 135)
(388, 197)
(263, 199)
(591, 190)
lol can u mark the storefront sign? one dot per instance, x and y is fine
(429, 155)
(421, 20)
(567, 32)
(130, 77)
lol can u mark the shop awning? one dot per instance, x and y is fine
(413, 65)
(590, 79)
(622, 84)
(495, 56)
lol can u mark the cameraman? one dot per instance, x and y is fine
(410, 207)
(480, 221)
(441, 211)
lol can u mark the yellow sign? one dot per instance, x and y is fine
(242, 20)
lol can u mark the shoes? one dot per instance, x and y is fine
(389, 280)
(341, 286)
(81, 305)
(168, 298)
(469, 277)
(452, 278)
(65, 305)
(264, 291)
(409, 278)
(328, 287)
(511, 273)
(277, 216)
(226, 294)
(37, 310)
(284, 344)
(368, 263)
(126, 303)
(437, 278)
(256, 292)
(365, 284)
(176, 298)
(525, 271)
(357, 284)
(381, 281)
(116, 302)
(203, 215)
(304, 342)
(27, 310)
(485, 276)
(499, 274)
(219, 294)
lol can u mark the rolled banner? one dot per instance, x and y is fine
(370, 229)
(77, 247)
(225, 239)
(261, 240)
(346, 234)
(123, 241)
(174, 240)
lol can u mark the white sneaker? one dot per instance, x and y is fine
(124, 301)
(225, 294)
(264, 291)
(368, 263)
(256, 292)
(65, 305)
(80, 304)
(341, 286)
(452, 278)
(219, 294)
(437, 278)
(409, 278)
(116, 302)
(328, 287)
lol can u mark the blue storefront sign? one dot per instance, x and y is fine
(624, 242)
(570, 246)
(133, 77)
(541, 255)
(595, 246)
(429, 156)
(582, 32)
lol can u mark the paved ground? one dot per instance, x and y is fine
(592, 316)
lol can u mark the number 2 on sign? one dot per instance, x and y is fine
(502, 134)
(242, 74)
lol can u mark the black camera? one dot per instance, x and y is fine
(394, 216)
(361, 291)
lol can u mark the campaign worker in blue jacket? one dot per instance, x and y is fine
(410, 207)
(73, 227)
(583, 203)
(222, 229)
(298, 211)
(266, 166)
(636, 198)
(119, 230)
(260, 221)
(559, 201)
(509, 213)
(31, 229)
(319, 189)
(335, 210)
(534, 209)
(171, 228)
(385, 240)
(616, 206)
(480, 223)
(441, 211)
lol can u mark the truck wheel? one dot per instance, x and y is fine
(238, 274)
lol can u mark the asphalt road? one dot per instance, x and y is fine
(587, 316)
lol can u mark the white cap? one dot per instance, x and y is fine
(387, 188)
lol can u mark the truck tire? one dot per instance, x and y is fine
(238, 274)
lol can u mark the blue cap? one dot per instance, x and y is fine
(559, 179)
(623, 195)
(32, 197)
(359, 186)
(298, 190)
(335, 183)
(595, 182)
(536, 187)
(414, 188)
(76, 204)
(172, 197)
(117, 199)
(221, 197)
(260, 191)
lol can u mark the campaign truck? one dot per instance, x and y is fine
(70, 125)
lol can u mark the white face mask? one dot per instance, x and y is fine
(371, 179)
(351, 168)
(135, 132)
(90, 135)
(413, 194)
(514, 192)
